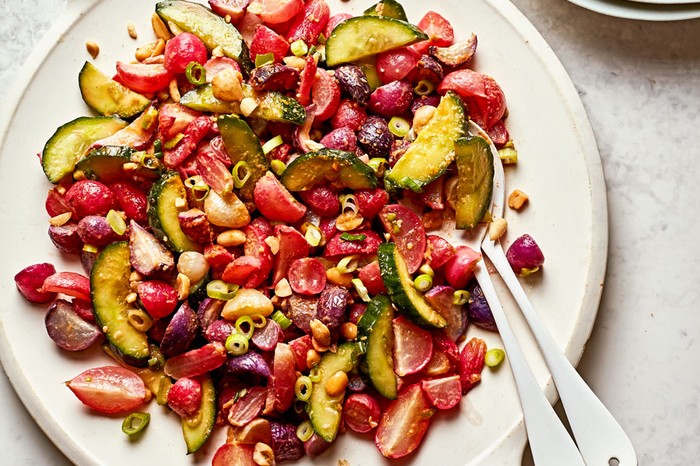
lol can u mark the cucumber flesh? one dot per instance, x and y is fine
(202, 99)
(399, 284)
(389, 8)
(109, 288)
(106, 96)
(197, 428)
(341, 168)
(163, 198)
(242, 145)
(474, 161)
(375, 325)
(363, 36)
(273, 106)
(106, 164)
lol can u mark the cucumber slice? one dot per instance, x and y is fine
(68, 144)
(325, 411)
(341, 168)
(109, 287)
(273, 106)
(474, 161)
(363, 36)
(106, 164)
(242, 145)
(400, 286)
(197, 428)
(202, 99)
(106, 96)
(163, 199)
(375, 326)
(388, 8)
(432, 152)
(211, 28)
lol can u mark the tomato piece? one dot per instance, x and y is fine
(265, 40)
(460, 268)
(308, 25)
(413, 347)
(183, 49)
(142, 77)
(404, 423)
(481, 93)
(325, 93)
(275, 11)
(283, 377)
(248, 407)
(471, 363)
(237, 454)
(275, 202)
(158, 298)
(307, 276)
(132, 200)
(439, 30)
(68, 283)
(30, 281)
(395, 65)
(234, 9)
(109, 389)
(240, 270)
(293, 246)
(361, 412)
(406, 230)
(337, 246)
(444, 392)
(306, 81)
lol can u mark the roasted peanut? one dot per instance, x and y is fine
(517, 199)
(337, 384)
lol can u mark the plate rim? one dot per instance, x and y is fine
(642, 10)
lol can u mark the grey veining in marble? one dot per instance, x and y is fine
(640, 84)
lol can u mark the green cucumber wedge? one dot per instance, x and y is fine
(163, 199)
(211, 28)
(389, 8)
(109, 288)
(342, 169)
(202, 99)
(399, 283)
(197, 428)
(375, 326)
(69, 143)
(433, 151)
(242, 145)
(474, 161)
(273, 106)
(106, 96)
(106, 164)
(325, 411)
(364, 36)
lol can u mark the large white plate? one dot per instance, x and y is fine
(559, 168)
(647, 10)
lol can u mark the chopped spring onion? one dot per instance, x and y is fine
(264, 59)
(245, 326)
(423, 282)
(219, 289)
(158, 148)
(171, 143)
(259, 320)
(524, 272)
(299, 48)
(302, 388)
(195, 74)
(351, 237)
(272, 143)
(236, 344)
(361, 289)
(378, 165)
(281, 319)
(135, 423)
(313, 235)
(348, 264)
(239, 181)
(198, 187)
(460, 297)
(149, 161)
(424, 87)
(315, 374)
(391, 216)
(139, 320)
(305, 431)
(348, 202)
(399, 126)
(411, 184)
(508, 155)
(117, 222)
(427, 269)
(277, 167)
(494, 357)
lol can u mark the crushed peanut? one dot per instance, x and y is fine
(337, 383)
(497, 228)
(248, 106)
(226, 85)
(60, 219)
(336, 277)
(131, 29)
(312, 358)
(174, 91)
(295, 62)
(274, 244)
(217, 52)
(517, 199)
(283, 289)
(348, 330)
(422, 117)
(263, 455)
(231, 238)
(160, 28)
(320, 332)
(150, 50)
(182, 286)
(93, 48)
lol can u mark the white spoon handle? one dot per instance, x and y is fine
(599, 436)
(550, 443)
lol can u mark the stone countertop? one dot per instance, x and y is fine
(640, 84)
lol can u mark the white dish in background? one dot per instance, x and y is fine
(646, 10)
(559, 168)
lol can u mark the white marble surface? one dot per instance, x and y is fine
(640, 83)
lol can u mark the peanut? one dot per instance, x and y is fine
(182, 286)
(60, 219)
(131, 29)
(263, 455)
(422, 117)
(336, 277)
(320, 332)
(312, 358)
(160, 28)
(337, 384)
(93, 48)
(497, 228)
(283, 289)
(231, 238)
(226, 85)
(348, 330)
(517, 199)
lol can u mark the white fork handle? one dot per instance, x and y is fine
(598, 435)
(550, 443)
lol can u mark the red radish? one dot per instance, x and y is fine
(349, 114)
(246, 26)
(403, 424)
(30, 280)
(68, 283)
(84, 310)
(292, 245)
(217, 256)
(443, 343)
(306, 81)
(96, 230)
(460, 269)
(265, 40)
(406, 230)
(143, 78)
(396, 64)
(233, 9)
(88, 197)
(185, 396)
(307, 276)
(193, 134)
(256, 233)
(275, 202)
(214, 172)
(67, 329)
(109, 389)
(158, 298)
(131, 199)
(240, 270)
(337, 246)
(55, 203)
(481, 93)
(333, 21)
(371, 277)
(361, 412)
(443, 393)
(340, 139)
(438, 29)
(391, 99)
(439, 365)
(471, 363)
(524, 255)
(248, 406)
(283, 377)
(312, 22)
(237, 454)
(216, 65)
(438, 251)
(413, 347)
(322, 200)
(300, 347)
(325, 93)
(275, 11)
(267, 337)
(183, 49)
(441, 298)
(371, 201)
(173, 119)
(196, 362)
(498, 134)
(66, 238)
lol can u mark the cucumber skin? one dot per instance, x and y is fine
(108, 97)
(242, 145)
(177, 241)
(375, 327)
(470, 207)
(195, 437)
(301, 174)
